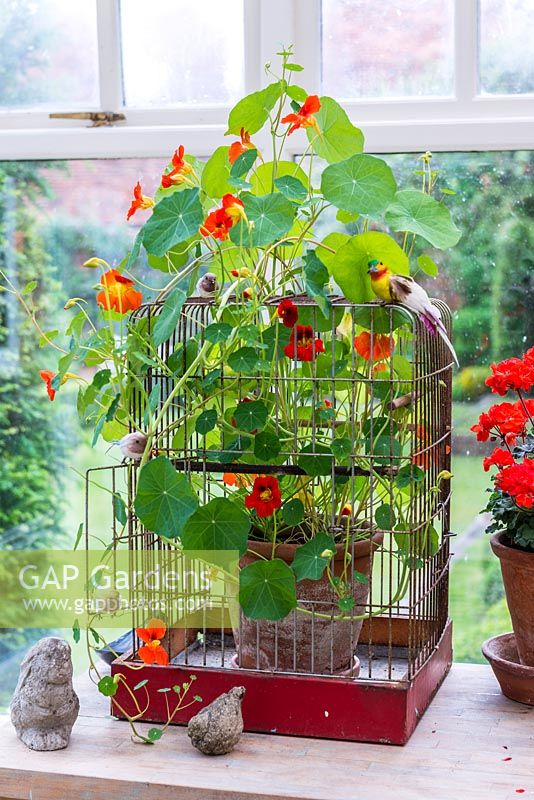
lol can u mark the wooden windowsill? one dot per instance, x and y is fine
(456, 751)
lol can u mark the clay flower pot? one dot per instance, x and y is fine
(517, 567)
(300, 642)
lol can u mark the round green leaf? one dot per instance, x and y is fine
(291, 188)
(252, 111)
(385, 517)
(309, 563)
(267, 590)
(409, 475)
(362, 184)
(174, 219)
(384, 449)
(219, 525)
(262, 179)
(315, 459)
(419, 213)
(216, 173)
(250, 416)
(428, 266)
(218, 332)
(350, 266)
(266, 446)
(272, 217)
(165, 499)
(154, 734)
(206, 421)
(342, 448)
(243, 360)
(107, 686)
(339, 138)
(293, 512)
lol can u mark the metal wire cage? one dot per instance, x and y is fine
(374, 376)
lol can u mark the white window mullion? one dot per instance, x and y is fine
(109, 55)
(308, 42)
(253, 64)
(466, 52)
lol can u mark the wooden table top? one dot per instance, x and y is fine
(458, 751)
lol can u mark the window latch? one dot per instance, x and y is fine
(98, 118)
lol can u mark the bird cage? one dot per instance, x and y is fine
(364, 423)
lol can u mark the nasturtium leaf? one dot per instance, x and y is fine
(134, 253)
(272, 217)
(380, 320)
(252, 111)
(346, 603)
(216, 174)
(154, 734)
(296, 93)
(342, 448)
(409, 475)
(266, 446)
(30, 286)
(165, 499)
(76, 634)
(327, 250)
(362, 184)
(174, 259)
(219, 525)
(168, 317)
(174, 219)
(311, 558)
(206, 421)
(417, 212)
(181, 359)
(293, 512)
(264, 179)
(276, 337)
(210, 379)
(350, 267)
(294, 67)
(339, 138)
(119, 509)
(107, 686)
(428, 265)
(385, 517)
(251, 416)
(140, 684)
(291, 188)
(316, 279)
(267, 590)
(233, 450)
(346, 217)
(243, 360)
(315, 459)
(218, 332)
(402, 367)
(384, 449)
(243, 164)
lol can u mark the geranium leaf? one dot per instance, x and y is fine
(168, 317)
(250, 416)
(267, 590)
(350, 266)
(165, 499)
(362, 184)
(309, 563)
(252, 112)
(174, 219)
(272, 217)
(219, 525)
(421, 214)
(339, 138)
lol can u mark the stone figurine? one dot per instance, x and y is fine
(217, 728)
(45, 706)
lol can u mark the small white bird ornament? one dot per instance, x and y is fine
(208, 285)
(132, 445)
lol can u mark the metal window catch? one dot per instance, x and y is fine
(98, 118)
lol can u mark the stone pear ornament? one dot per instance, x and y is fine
(45, 706)
(217, 728)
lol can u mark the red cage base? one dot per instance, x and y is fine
(300, 705)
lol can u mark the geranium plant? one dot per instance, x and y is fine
(511, 427)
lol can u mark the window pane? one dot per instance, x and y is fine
(393, 48)
(182, 52)
(48, 54)
(506, 52)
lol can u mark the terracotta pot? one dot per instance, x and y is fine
(516, 680)
(300, 642)
(517, 567)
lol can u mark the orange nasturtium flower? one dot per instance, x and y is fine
(48, 376)
(304, 118)
(381, 344)
(238, 148)
(240, 480)
(118, 293)
(153, 652)
(179, 172)
(140, 200)
(219, 222)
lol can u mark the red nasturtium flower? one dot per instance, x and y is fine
(140, 201)
(238, 148)
(499, 458)
(219, 222)
(118, 293)
(518, 482)
(234, 207)
(179, 172)
(265, 497)
(288, 312)
(307, 345)
(48, 376)
(512, 373)
(153, 652)
(304, 118)
(382, 346)
(346, 511)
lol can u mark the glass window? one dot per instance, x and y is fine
(48, 54)
(182, 52)
(395, 48)
(506, 52)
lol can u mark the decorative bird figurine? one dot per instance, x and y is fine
(208, 285)
(391, 288)
(132, 445)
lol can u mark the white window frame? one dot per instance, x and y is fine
(467, 121)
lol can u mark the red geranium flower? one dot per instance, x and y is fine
(304, 118)
(506, 420)
(528, 358)
(288, 312)
(380, 343)
(500, 458)
(179, 172)
(140, 200)
(118, 293)
(307, 346)
(512, 373)
(153, 652)
(265, 496)
(238, 148)
(518, 482)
